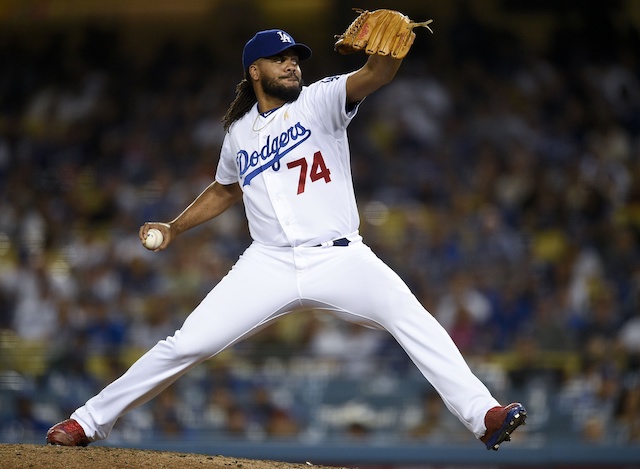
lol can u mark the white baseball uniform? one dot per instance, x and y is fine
(293, 164)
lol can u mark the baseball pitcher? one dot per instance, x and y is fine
(286, 155)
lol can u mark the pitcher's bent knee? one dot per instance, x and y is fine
(188, 350)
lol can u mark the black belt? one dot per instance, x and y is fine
(337, 242)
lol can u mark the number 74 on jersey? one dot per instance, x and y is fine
(318, 171)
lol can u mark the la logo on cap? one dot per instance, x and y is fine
(284, 37)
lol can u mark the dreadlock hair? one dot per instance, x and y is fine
(244, 100)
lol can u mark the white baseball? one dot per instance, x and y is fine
(154, 239)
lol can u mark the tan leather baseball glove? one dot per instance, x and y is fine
(382, 32)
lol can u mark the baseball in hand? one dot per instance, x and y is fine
(154, 239)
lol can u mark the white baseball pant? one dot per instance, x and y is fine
(268, 282)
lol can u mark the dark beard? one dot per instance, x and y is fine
(288, 94)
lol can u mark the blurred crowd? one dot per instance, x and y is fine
(501, 183)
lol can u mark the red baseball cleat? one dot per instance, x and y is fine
(67, 433)
(501, 421)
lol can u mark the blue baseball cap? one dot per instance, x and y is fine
(271, 42)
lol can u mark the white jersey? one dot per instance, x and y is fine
(294, 167)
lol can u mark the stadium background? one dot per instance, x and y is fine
(499, 175)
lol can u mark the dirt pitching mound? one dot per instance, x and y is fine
(99, 457)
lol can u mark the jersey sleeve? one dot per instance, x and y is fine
(227, 172)
(328, 99)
